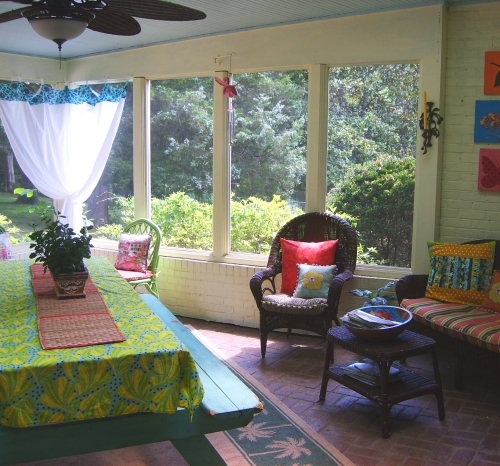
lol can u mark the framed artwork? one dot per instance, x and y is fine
(488, 178)
(492, 73)
(487, 121)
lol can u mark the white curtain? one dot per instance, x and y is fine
(62, 139)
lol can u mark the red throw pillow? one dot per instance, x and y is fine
(296, 252)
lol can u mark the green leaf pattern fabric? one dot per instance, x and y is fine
(151, 371)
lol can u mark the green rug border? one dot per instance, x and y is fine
(247, 378)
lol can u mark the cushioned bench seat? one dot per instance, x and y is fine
(461, 321)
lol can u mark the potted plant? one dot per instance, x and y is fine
(62, 251)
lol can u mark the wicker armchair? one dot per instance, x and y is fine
(312, 227)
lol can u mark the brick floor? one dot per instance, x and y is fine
(470, 434)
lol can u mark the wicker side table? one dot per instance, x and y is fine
(409, 384)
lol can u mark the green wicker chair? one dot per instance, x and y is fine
(311, 227)
(144, 226)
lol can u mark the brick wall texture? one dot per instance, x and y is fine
(466, 212)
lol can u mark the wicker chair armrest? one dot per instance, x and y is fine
(411, 286)
(338, 282)
(334, 293)
(257, 281)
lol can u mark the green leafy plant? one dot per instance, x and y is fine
(58, 247)
(375, 297)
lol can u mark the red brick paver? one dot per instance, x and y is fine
(469, 435)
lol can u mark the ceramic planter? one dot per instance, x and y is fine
(71, 286)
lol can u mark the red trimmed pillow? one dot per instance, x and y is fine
(297, 252)
(133, 252)
(492, 301)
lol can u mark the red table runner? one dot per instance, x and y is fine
(71, 323)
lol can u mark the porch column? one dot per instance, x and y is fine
(317, 138)
(222, 173)
(141, 158)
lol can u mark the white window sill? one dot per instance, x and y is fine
(254, 260)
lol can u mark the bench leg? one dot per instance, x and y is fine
(437, 378)
(198, 451)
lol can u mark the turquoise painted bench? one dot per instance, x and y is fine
(228, 404)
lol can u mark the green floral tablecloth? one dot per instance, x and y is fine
(149, 372)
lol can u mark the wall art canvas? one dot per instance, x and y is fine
(487, 121)
(492, 73)
(488, 178)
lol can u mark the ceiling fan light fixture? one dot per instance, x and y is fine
(59, 24)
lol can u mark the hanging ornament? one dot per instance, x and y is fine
(229, 90)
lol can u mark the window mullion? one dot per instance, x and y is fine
(142, 150)
(221, 173)
(317, 138)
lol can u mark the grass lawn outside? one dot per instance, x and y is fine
(22, 219)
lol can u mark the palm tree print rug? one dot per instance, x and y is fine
(276, 436)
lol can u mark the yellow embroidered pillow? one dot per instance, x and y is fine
(492, 301)
(313, 281)
(460, 273)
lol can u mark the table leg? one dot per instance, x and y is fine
(385, 408)
(437, 378)
(198, 451)
(326, 368)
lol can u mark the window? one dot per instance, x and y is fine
(18, 213)
(371, 156)
(182, 161)
(110, 206)
(268, 156)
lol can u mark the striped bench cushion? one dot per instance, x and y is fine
(462, 321)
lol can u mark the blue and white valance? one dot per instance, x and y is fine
(19, 92)
(62, 139)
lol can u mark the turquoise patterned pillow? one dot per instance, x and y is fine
(313, 281)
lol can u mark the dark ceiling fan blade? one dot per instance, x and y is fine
(11, 15)
(117, 24)
(155, 9)
(22, 2)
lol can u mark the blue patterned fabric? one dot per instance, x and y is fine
(19, 92)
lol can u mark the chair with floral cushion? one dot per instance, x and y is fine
(315, 253)
(138, 254)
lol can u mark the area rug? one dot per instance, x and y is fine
(275, 437)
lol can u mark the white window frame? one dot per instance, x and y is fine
(427, 176)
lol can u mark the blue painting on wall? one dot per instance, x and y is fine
(487, 121)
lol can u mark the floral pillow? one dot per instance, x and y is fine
(5, 253)
(313, 281)
(133, 252)
(297, 252)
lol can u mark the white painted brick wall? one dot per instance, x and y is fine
(466, 212)
(221, 292)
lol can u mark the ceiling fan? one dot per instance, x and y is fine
(63, 20)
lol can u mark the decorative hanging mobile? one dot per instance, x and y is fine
(429, 122)
(229, 91)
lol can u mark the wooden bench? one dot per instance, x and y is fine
(426, 320)
(228, 404)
